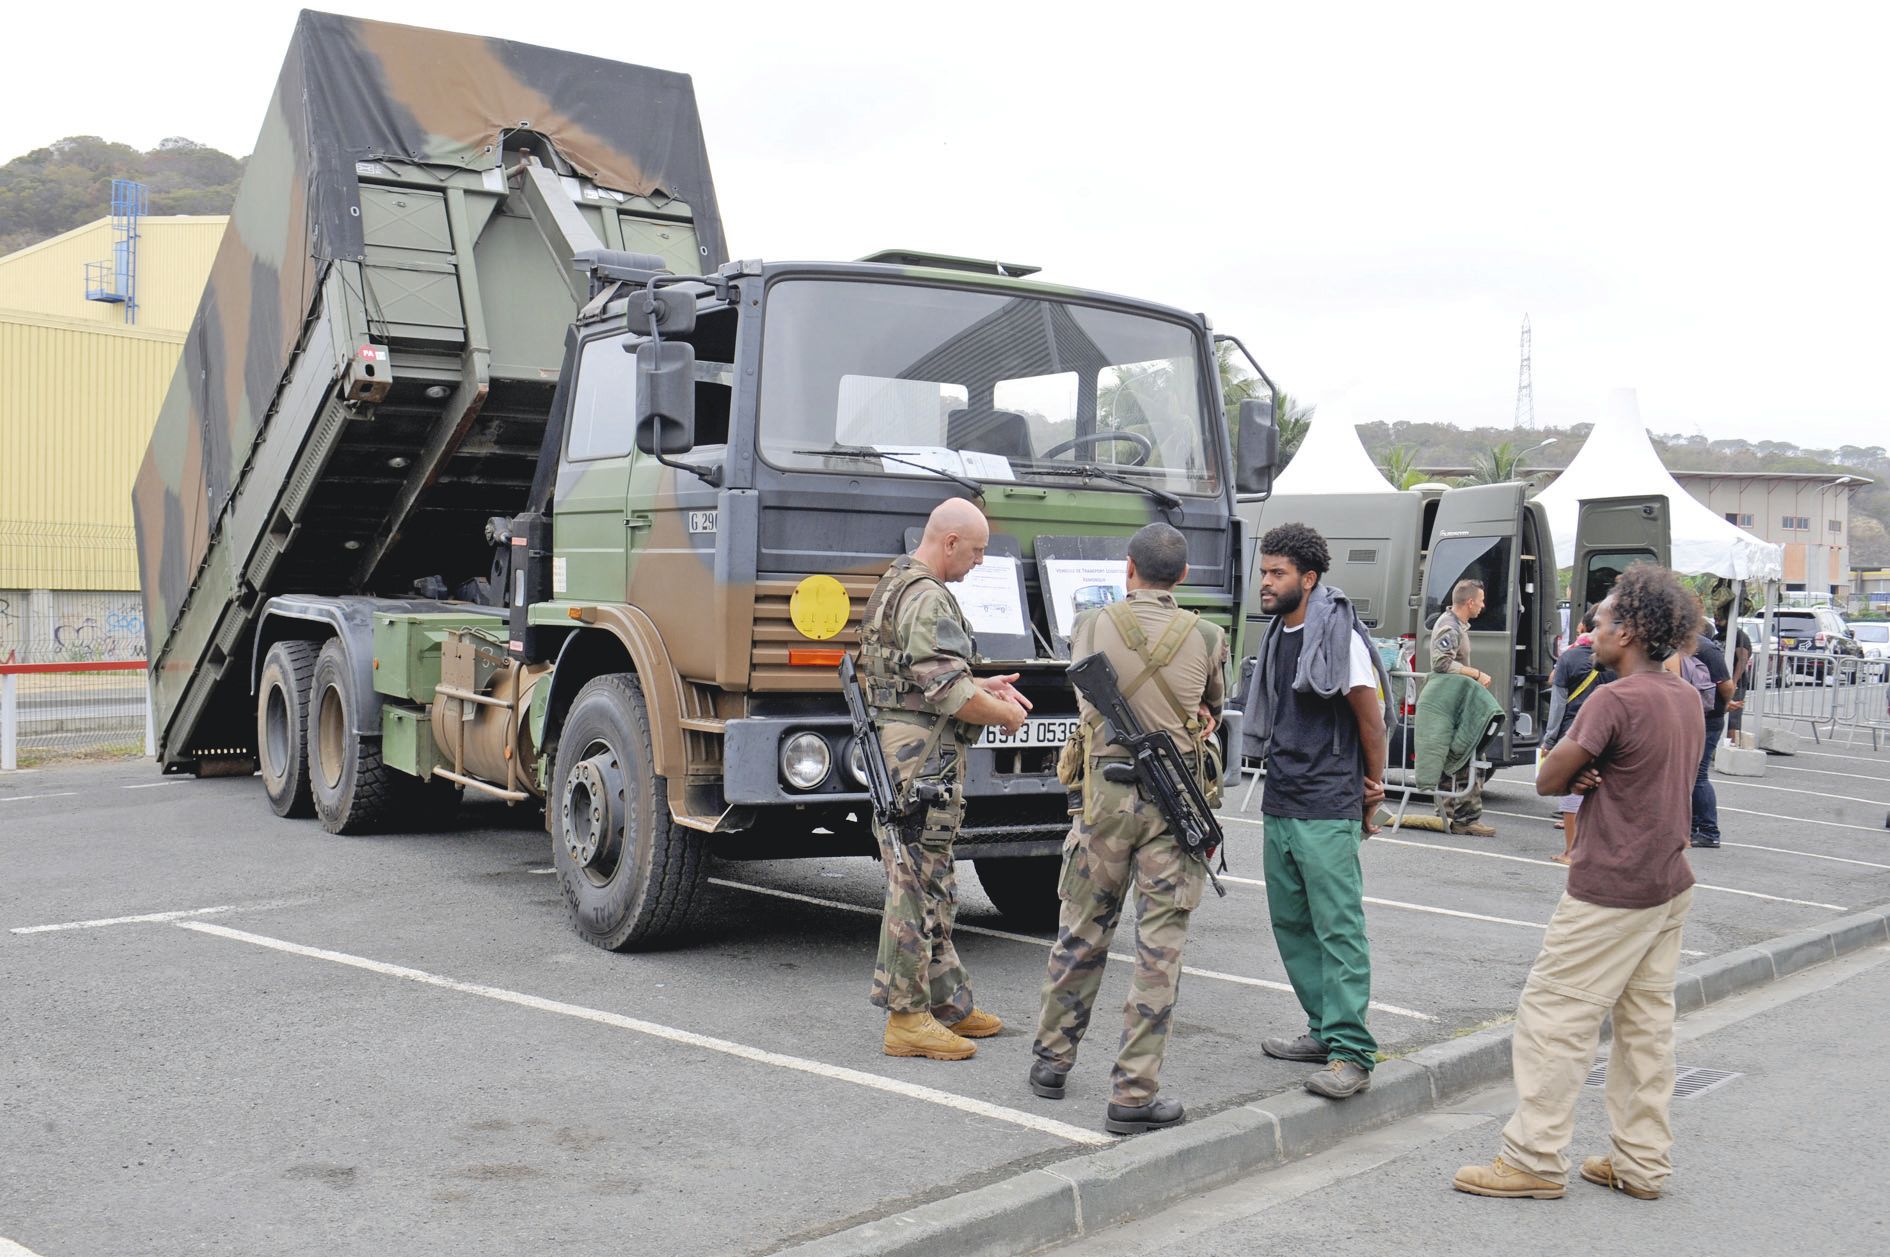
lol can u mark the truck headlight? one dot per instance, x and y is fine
(856, 761)
(806, 760)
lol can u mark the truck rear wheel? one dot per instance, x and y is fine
(1024, 888)
(629, 872)
(353, 790)
(282, 727)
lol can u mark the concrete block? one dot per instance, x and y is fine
(1018, 1215)
(1721, 977)
(1800, 951)
(1688, 995)
(1777, 741)
(1460, 1066)
(1859, 930)
(1146, 1172)
(1746, 741)
(1734, 762)
(1310, 1123)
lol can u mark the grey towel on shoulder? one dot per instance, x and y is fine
(1325, 661)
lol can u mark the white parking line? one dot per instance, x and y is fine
(1411, 907)
(9, 1249)
(988, 932)
(1855, 759)
(1822, 772)
(21, 798)
(137, 920)
(1813, 855)
(760, 1056)
(1801, 820)
(1722, 782)
(153, 785)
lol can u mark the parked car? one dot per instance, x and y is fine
(1874, 637)
(1817, 631)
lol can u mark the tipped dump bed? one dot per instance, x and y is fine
(368, 375)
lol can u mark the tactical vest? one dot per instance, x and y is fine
(884, 669)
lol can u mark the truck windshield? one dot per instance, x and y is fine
(996, 386)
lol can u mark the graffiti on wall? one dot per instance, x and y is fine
(60, 626)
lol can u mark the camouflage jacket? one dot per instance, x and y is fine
(1450, 644)
(925, 637)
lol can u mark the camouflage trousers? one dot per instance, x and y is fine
(1461, 811)
(918, 968)
(1128, 841)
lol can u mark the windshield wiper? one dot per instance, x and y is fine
(861, 451)
(1089, 471)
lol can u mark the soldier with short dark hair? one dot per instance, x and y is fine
(1450, 652)
(1173, 666)
(915, 662)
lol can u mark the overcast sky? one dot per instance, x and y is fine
(1685, 199)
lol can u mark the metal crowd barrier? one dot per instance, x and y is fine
(1834, 696)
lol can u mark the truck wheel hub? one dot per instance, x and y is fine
(593, 811)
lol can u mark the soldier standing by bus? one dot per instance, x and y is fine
(915, 667)
(1450, 652)
(1173, 664)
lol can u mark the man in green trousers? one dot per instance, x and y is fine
(1320, 712)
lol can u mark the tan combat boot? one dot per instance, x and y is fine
(1601, 1170)
(919, 1034)
(1500, 1178)
(976, 1024)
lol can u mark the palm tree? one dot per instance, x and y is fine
(1292, 419)
(1400, 467)
(1496, 465)
(1237, 383)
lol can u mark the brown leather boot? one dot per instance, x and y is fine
(976, 1024)
(919, 1034)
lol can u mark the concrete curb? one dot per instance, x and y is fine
(1087, 1193)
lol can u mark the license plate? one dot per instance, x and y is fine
(1789, 643)
(1041, 731)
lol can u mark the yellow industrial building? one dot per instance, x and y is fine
(80, 387)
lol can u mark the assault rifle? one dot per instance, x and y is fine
(1155, 766)
(879, 780)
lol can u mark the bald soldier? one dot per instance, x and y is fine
(1450, 652)
(915, 663)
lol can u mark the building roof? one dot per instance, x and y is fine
(1834, 477)
(174, 256)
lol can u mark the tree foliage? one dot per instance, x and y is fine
(68, 183)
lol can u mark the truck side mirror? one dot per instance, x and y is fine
(666, 397)
(1256, 447)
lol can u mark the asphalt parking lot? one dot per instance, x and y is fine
(227, 1032)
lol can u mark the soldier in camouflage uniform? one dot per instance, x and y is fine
(915, 663)
(1450, 652)
(1172, 664)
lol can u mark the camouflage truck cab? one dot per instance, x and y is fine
(523, 490)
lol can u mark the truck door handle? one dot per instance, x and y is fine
(638, 520)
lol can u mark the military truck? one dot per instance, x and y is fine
(486, 471)
(1398, 556)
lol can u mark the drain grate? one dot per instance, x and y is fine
(1688, 1080)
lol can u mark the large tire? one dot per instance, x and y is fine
(1024, 888)
(629, 872)
(354, 792)
(282, 727)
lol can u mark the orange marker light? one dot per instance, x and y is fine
(804, 658)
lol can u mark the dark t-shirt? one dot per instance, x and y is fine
(1741, 642)
(1708, 652)
(1308, 777)
(1646, 732)
(1571, 670)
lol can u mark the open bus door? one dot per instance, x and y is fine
(1491, 534)
(1611, 535)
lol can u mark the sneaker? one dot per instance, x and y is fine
(1304, 1048)
(1130, 1119)
(1338, 1080)
(1709, 843)
(1047, 1080)
(1500, 1178)
(1600, 1170)
(919, 1034)
(976, 1024)
(1475, 829)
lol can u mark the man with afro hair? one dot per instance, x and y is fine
(1613, 945)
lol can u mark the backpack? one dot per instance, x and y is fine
(1700, 677)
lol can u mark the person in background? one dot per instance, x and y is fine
(1613, 946)
(1707, 652)
(1741, 668)
(1450, 652)
(1577, 676)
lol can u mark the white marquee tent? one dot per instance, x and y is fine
(1618, 460)
(1332, 459)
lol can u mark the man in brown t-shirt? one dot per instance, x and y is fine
(1613, 945)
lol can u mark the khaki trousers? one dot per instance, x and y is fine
(1596, 961)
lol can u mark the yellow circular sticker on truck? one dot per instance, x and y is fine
(819, 607)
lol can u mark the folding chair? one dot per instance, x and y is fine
(1474, 774)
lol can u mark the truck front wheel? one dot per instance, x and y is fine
(282, 727)
(1023, 888)
(353, 790)
(629, 872)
